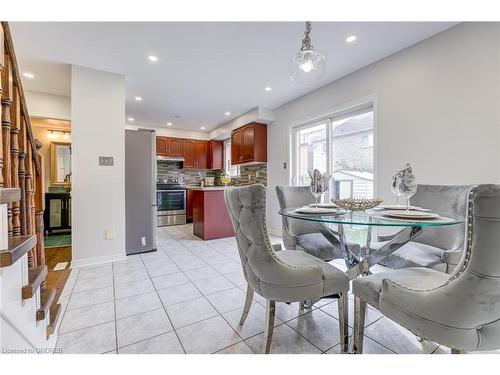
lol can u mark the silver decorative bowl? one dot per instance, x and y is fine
(357, 204)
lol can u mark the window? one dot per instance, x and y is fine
(341, 145)
(231, 170)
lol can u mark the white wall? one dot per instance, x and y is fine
(41, 104)
(437, 107)
(98, 193)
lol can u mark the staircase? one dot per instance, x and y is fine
(28, 310)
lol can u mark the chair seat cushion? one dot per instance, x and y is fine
(334, 280)
(317, 245)
(369, 288)
(414, 254)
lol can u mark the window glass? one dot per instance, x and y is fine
(311, 143)
(231, 170)
(352, 156)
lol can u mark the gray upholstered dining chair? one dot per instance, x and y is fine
(461, 310)
(304, 235)
(439, 248)
(279, 276)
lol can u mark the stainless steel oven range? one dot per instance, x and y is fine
(171, 201)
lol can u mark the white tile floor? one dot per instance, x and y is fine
(187, 298)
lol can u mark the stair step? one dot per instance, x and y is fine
(18, 246)
(36, 275)
(9, 195)
(47, 298)
(55, 314)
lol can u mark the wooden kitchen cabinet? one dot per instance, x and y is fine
(201, 155)
(215, 154)
(249, 144)
(188, 152)
(161, 146)
(196, 153)
(236, 141)
(175, 146)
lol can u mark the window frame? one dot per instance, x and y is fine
(352, 109)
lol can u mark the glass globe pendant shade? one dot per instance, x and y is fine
(307, 66)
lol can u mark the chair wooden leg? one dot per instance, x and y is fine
(268, 333)
(248, 304)
(343, 322)
(359, 325)
(457, 351)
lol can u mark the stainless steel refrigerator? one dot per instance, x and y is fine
(140, 191)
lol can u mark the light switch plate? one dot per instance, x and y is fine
(106, 161)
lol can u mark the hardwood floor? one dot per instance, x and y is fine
(57, 279)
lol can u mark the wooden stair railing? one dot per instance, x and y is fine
(21, 181)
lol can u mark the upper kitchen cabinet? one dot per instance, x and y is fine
(196, 153)
(175, 146)
(215, 154)
(188, 152)
(249, 144)
(161, 146)
(201, 155)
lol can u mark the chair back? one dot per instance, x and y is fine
(446, 200)
(263, 270)
(477, 277)
(296, 196)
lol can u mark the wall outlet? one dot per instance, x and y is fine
(109, 234)
(143, 241)
(284, 165)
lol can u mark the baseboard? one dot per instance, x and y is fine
(97, 260)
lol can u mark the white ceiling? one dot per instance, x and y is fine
(204, 68)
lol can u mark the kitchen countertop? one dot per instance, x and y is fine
(208, 188)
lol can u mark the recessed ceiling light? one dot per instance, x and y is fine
(169, 124)
(131, 119)
(152, 58)
(351, 38)
(28, 75)
(227, 113)
(268, 88)
(138, 99)
(202, 128)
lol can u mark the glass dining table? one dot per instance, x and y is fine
(337, 226)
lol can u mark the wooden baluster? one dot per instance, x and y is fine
(22, 173)
(14, 159)
(1, 95)
(6, 123)
(38, 207)
(30, 214)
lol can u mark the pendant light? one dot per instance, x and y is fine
(307, 65)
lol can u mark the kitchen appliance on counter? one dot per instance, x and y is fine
(209, 181)
(140, 202)
(170, 201)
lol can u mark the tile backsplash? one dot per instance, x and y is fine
(187, 176)
(252, 174)
(249, 174)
